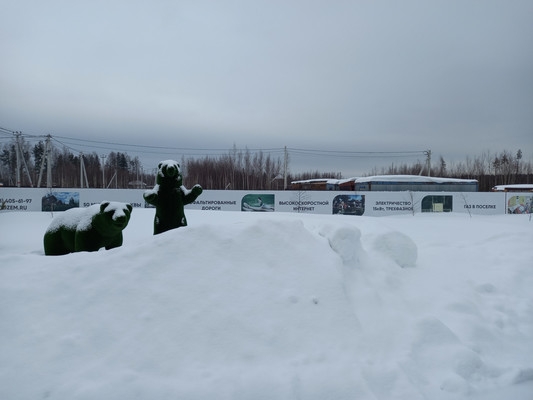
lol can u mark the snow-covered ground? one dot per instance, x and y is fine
(272, 306)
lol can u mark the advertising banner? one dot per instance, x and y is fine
(61, 199)
(313, 202)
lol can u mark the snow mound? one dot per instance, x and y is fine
(271, 306)
(346, 242)
(166, 307)
(398, 247)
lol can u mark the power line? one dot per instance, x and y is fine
(5, 131)
(74, 144)
(354, 154)
(159, 147)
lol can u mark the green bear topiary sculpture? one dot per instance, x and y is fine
(169, 197)
(87, 229)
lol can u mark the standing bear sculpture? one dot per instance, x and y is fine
(169, 197)
(87, 229)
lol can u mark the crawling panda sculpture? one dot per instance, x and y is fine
(169, 197)
(87, 229)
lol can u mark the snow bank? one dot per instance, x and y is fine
(272, 306)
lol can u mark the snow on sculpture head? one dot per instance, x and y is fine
(168, 171)
(118, 214)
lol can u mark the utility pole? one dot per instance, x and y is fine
(83, 172)
(428, 161)
(49, 164)
(103, 170)
(17, 153)
(46, 160)
(20, 160)
(285, 164)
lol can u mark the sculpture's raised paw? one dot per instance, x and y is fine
(197, 190)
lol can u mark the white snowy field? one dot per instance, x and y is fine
(272, 306)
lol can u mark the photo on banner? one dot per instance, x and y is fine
(258, 202)
(60, 201)
(349, 204)
(520, 205)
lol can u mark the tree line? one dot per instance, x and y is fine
(22, 164)
(244, 170)
(488, 169)
(237, 169)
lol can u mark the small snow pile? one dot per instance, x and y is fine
(346, 242)
(434, 341)
(398, 247)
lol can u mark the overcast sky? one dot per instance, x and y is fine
(454, 77)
